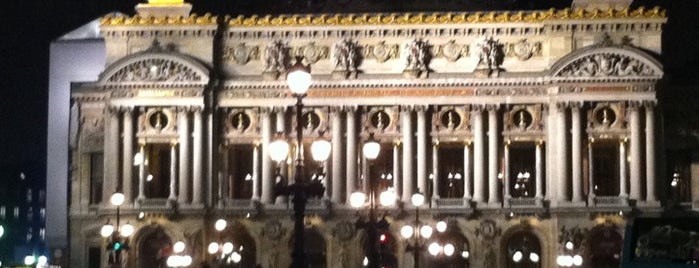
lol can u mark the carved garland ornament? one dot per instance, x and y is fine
(604, 65)
(155, 70)
(382, 52)
(241, 53)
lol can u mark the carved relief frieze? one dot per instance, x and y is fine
(381, 52)
(241, 53)
(311, 52)
(524, 49)
(452, 51)
(155, 70)
(605, 65)
(524, 91)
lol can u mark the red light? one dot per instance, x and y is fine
(383, 238)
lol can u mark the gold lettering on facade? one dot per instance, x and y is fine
(155, 93)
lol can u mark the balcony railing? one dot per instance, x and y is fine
(610, 201)
(524, 202)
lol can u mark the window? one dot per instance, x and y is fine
(451, 171)
(29, 195)
(42, 234)
(240, 171)
(522, 170)
(42, 214)
(96, 177)
(381, 169)
(3, 212)
(605, 162)
(158, 170)
(30, 213)
(16, 212)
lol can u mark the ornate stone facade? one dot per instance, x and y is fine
(502, 119)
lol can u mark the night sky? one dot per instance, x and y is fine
(28, 26)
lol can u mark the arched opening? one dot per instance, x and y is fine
(243, 246)
(523, 250)
(315, 247)
(455, 252)
(604, 247)
(153, 248)
(386, 246)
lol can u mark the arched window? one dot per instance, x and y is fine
(523, 250)
(605, 245)
(315, 249)
(154, 248)
(243, 244)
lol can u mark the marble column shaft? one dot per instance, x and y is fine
(478, 156)
(197, 159)
(651, 195)
(407, 130)
(338, 187)
(127, 160)
(184, 136)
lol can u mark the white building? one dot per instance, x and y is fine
(525, 130)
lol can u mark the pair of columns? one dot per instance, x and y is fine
(114, 145)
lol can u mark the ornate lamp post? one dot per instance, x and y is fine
(225, 251)
(418, 234)
(118, 239)
(358, 199)
(299, 80)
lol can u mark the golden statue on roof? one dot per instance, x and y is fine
(165, 2)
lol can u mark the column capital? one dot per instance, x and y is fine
(350, 108)
(420, 108)
(575, 105)
(112, 109)
(265, 110)
(634, 105)
(278, 109)
(561, 105)
(336, 109)
(492, 107)
(406, 108)
(650, 105)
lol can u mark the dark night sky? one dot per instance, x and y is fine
(28, 26)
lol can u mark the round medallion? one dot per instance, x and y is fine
(158, 120)
(451, 119)
(380, 120)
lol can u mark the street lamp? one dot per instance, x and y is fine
(118, 236)
(298, 79)
(225, 251)
(371, 149)
(418, 234)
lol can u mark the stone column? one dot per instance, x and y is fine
(396, 169)
(478, 155)
(184, 136)
(562, 153)
(651, 196)
(267, 181)
(351, 153)
(576, 153)
(256, 172)
(493, 189)
(223, 183)
(435, 170)
(622, 169)
(550, 151)
(111, 154)
(338, 190)
(142, 175)
(197, 159)
(591, 172)
(635, 151)
(407, 129)
(506, 177)
(467, 171)
(422, 150)
(173, 174)
(281, 166)
(127, 160)
(538, 170)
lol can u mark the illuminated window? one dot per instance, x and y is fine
(16, 212)
(30, 213)
(42, 234)
(2, 212)
(29, 195)
(42, 214)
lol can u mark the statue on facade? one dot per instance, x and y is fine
(345, 58)
(416, 54)
(275, 56)
(489, 55)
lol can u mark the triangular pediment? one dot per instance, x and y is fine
(607, 62)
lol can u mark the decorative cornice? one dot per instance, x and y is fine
(390, 19)
(194, 19)
(443, 18)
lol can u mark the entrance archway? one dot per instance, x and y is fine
(604, 247)
(153, 248)
(523, 250)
